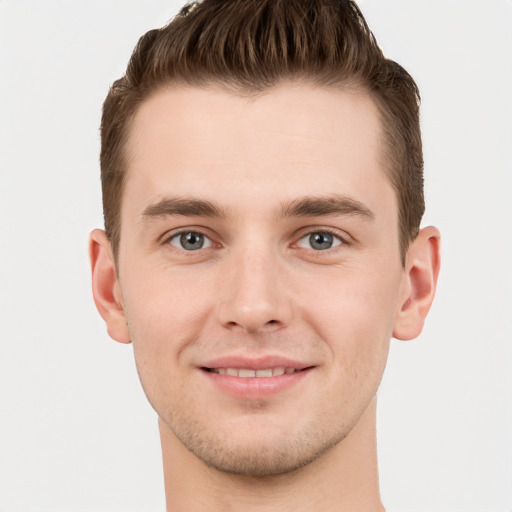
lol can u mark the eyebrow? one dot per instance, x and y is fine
(325, 206)
(313, 206)
(182, 206)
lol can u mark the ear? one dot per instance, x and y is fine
(105, 286)
(419, 285)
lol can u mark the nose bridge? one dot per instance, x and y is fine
(253, 296)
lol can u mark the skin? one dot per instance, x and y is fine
(260, 286)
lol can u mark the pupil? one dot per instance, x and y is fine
(321, 241)
(192, 241)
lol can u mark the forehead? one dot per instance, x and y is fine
(292, 141)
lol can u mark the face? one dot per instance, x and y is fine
(259, 269)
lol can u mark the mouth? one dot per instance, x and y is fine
(257, 378)
(249, 373)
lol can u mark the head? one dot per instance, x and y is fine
(249, 47)
(262, 180)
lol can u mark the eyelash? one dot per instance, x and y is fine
(334, 233)
(166, 240)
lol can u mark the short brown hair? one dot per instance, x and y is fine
(250, 46)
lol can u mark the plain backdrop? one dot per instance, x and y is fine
(76, 432)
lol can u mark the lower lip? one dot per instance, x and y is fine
(255, 388)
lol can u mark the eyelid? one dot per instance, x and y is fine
(169, 235)
(337, 241)
(207, 241)
(345, 238)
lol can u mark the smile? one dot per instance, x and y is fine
(247, 373)
(256, 383)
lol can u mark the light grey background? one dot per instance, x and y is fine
(76, 433)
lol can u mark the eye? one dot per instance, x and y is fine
(319, 241)
(190, 241)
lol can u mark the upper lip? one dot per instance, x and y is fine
(255, 363)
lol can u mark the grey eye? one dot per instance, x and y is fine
(319, 241)
(190, 241)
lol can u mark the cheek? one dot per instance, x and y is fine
(165, 311)
(355, 316)
(164, 303)
(163, 321)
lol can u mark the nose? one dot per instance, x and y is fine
(253, 295)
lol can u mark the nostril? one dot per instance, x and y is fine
(253, 326)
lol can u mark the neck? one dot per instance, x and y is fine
(343, 479)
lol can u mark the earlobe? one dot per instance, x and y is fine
(105, 287)
(420, 280)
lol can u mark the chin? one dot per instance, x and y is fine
(259, 455)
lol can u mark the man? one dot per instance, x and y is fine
(262, 188)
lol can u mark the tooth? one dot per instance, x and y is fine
(246, 373)
(264, 373)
